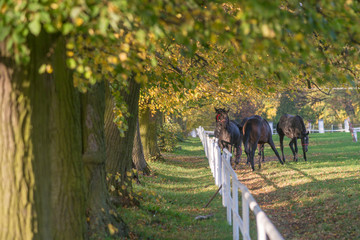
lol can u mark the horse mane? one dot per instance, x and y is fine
(302, 123)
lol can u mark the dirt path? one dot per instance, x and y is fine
(267, 195)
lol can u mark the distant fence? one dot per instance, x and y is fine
(226, 177)
(320, 127)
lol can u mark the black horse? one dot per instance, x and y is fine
(293, 127)
(261, 147)
(228, 133)
(257, 131)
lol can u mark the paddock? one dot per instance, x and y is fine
(317, 199)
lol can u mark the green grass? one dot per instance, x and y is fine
(174, 195)
(317, 199)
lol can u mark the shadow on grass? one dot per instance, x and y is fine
(326, 209)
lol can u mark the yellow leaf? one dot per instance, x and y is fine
(123, 56)
(49, 69)
(79, 21)
(112, 229)
(69, 53)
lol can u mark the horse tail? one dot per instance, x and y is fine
(246, 131)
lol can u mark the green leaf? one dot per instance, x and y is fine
(35, 26)
(4, 32)
(49, 28)
(66, 28)
(71, 63)
(42, 68)
(140, 36)
(103, 24)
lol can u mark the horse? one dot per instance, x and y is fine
(261, 147)
(228, 132)
(256, 131)
(293, 127)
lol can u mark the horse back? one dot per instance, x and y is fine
(291, 126)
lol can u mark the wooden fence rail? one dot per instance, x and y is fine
(226, 177)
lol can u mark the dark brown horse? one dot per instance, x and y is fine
(256, 130)
(293, 127)
(261, 147)
(228, 133)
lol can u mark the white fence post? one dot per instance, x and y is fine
(346, 125)
(321, 126)
(227, 192)
(245, 215)
(235, 209)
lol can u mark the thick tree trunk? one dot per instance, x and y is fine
(101, 216)
(119, 149)
(138, 153)
(148, 131)
(67, 169)
(41, 189)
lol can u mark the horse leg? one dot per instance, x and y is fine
(238, 154)
(247, 151)
(282, 146)
(261, 153)
(296, 150)
(291, 147)
(272, 145)
(252, 155)
(304, 153)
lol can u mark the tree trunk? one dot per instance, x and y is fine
(148, 131)
(119, 149)
(350, 111)
(101, 216)
(138, 153)
(41, 189)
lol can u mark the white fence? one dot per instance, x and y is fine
(226, 177)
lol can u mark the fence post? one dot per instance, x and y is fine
(217, 164)
(245, 214)
(235, 208)
(260, 226)
(227, 191)
(223, 180)
(346, 125)
(321, 126)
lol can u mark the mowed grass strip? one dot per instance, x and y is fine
(173, 195)
(317, 199)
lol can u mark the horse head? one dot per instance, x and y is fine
(305, 140)
(222, 117)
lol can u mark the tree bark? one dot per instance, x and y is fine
(119, 149)
(148, 131)
(102, 218)
(350, 111)
(41, 189)
(138, 153)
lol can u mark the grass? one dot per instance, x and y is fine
(174, 195)
(317, 199)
